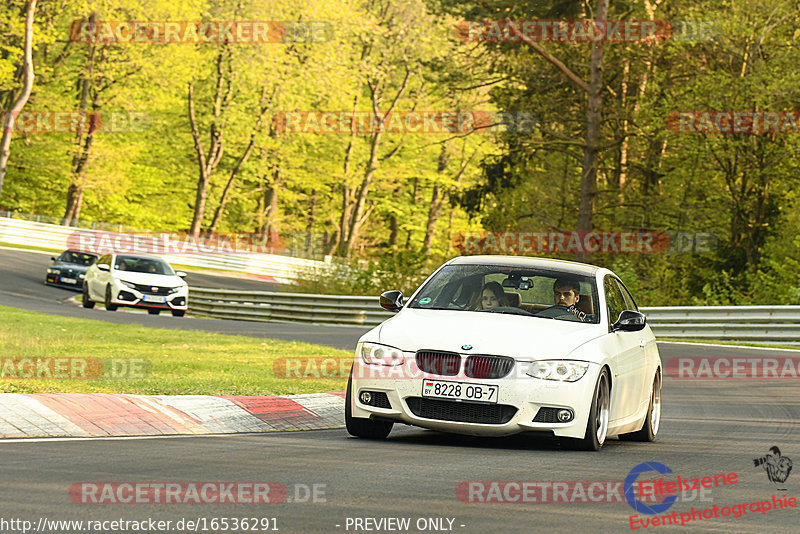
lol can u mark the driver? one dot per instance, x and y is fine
(566, 293)
(492, 296)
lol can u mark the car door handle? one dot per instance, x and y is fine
(642, 343)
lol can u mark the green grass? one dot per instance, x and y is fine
(167, 362)
(726, 342)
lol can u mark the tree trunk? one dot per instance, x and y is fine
(207, 164)
(312, 207)
(83, 143)
(269, 232)
(22, 99)
(357, 217)
(229, 185)
(594, 102)
(436, 202)
(414, 194)
(341, 235)
(263, 108)
(394, 232)
(360, 212)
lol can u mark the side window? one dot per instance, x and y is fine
(615, 303)
(630, 304)
(105, 259)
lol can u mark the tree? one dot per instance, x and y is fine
(25, 92)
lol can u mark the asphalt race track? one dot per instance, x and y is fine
(709, 427)
(22, 286)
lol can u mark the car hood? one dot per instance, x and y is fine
(150, 279)
(74, 267)
(521, 337)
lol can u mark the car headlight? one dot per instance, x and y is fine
(81, 276)
(174, 290)
(374, 354)
(128, 284)
(53, 271)
(563, 370)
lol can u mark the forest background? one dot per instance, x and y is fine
(187, 136)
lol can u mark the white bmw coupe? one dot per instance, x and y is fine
(497, 345)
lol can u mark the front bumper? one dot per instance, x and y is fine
(518, 393)
(68, 281)
(126, 296)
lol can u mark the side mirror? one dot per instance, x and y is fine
(629, 321)
(52, 258)
(103, 267)
(392, 300)
(180, 273)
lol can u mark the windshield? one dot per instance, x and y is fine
(138, 264)
(536, 293)
(79, 258)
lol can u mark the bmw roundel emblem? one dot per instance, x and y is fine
(466, 347)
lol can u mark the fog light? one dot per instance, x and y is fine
(564, 416)
(366, 397)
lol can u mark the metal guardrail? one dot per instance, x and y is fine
(773, 324)
(766, 324)
(270, 306)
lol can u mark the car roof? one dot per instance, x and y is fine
(137, 256)
(573, 267)
(77, 251)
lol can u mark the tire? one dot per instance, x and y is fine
(652, 421)
(87, 302)
(153, 311)
(109, 306)
(358, 426)
(178, 313)
(597, 425)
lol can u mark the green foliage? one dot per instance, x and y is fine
(740, 187)
(405, 272)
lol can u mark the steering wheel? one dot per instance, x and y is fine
(509, 309)
(556, 312)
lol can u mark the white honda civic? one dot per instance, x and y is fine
(135, 281)
(497, 345)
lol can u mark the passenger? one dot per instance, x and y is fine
(566, 293)
(491, 296)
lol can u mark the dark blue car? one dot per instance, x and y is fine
(69, 269)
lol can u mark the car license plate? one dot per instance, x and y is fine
(69, 281)
(442, 389)
(154, 298)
